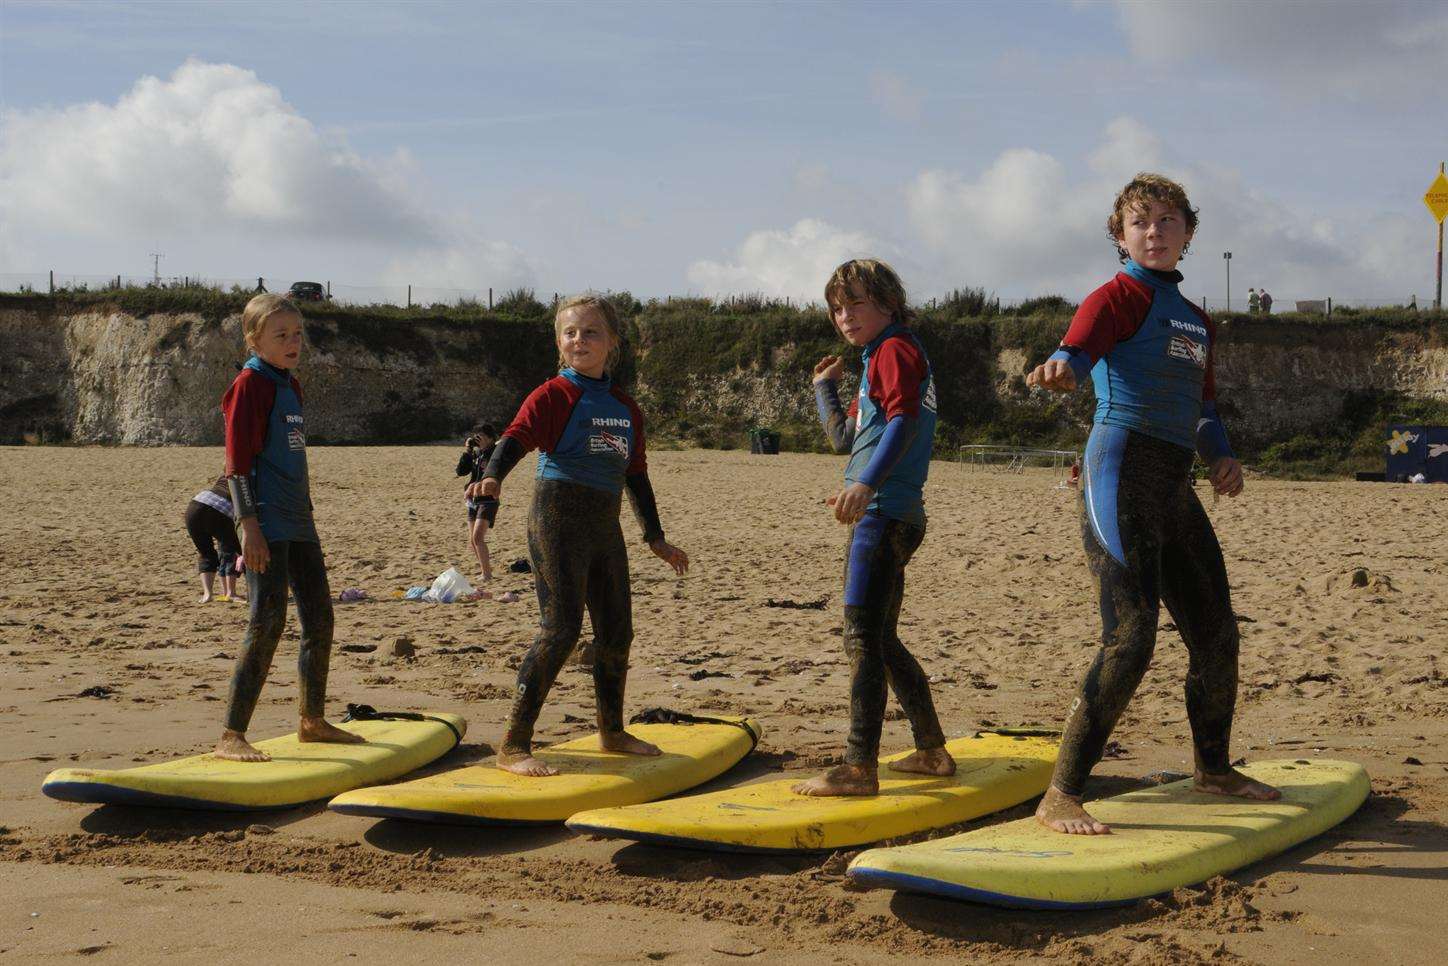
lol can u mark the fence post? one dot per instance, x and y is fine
(1204, 303)
(52, 281)
(1329, 306)
(409, 295)
(490, 298)
(329, 288)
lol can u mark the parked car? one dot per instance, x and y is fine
(308, 292)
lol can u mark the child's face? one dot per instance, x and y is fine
(279, 343)
(584, 340)
(1154, 235)
(857, 318)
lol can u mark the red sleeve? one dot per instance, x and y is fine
(854, 411)
(544, 415)
(637, 461)
(1109, 315)
(1209, 384)
(246, 407)
(897, 370)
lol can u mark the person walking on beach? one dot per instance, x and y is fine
(889, 431)
(590, 435)
(266, 475)
(1148, 351)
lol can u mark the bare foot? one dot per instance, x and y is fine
(205, 599)
(317, 729)
(841, 780)
(523, 763)
(925, 761)
(1237, 785)
(1064, 813)
(233, 746)
(627, 744)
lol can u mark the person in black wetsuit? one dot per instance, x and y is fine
(590, 437)
(1148, 351)
(474, 460)
(210, 526)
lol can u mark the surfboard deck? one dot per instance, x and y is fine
(1162, 839)
(590, 778)
(299, 772)
(994, 770)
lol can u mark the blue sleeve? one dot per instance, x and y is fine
(1212, 442)
(839, 429)
(899, 434)
(1078, 361)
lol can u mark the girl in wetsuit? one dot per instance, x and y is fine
(590, 435)
(1148, 351)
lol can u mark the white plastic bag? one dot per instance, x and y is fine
(450, 585)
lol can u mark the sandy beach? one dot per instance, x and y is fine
(110, 661)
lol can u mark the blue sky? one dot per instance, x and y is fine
(727, 147)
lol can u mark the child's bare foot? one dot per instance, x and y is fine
(925, 761)
(233, 746)
(317, 729)
(205, 599)
(1064, 813)
(841, 780)
(627, 744)
(1237, 785)
(523, 763)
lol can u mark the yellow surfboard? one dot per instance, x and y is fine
(589, 778)
(994, 771)
(298, 772)
(1161, 839)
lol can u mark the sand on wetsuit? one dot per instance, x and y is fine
(1148, 351)
(889, 431)
(590, 437)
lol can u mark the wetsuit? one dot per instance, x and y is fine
(590, 435)
(1148, 351)
(209, 524)
(471, 464)
(266, 442)
(889, 430)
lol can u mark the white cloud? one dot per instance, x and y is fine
(1384, 49)
(464, 263)
(895, 96)
(795, 263)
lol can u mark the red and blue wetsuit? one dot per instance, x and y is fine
(266, 442)
(590, 437)
(1149, 354)
(889, 431)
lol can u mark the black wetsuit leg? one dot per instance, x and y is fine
(298, 564)
(610, 611)
(1148, 539)
(571, 529)
(875, 558)
(208, 526)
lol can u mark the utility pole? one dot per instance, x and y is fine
(156, 267)
(1227, 257)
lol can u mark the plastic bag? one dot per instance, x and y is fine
(450, 585)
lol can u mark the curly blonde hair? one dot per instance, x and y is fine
(1139, 193)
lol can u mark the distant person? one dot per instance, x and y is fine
(1413, 303)
(590, 435)
(1254, 302)
(266, 475)
(211, 528)
(479, 449)
(260, 288)
(889, 431)
(1266, 299)
(1148, 351)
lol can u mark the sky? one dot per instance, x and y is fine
(719, 148)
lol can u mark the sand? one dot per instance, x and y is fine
(110, 661)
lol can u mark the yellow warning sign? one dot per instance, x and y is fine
(1437, 198)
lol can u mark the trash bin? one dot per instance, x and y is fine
(764, 441)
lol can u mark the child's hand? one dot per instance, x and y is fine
(1226, 476)
(254, 549)
(851, 502)
(670, 555)
(831, 368)
(486, 487)
(1053, 374)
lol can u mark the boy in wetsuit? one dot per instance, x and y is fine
(1148, 351)
(888, 430)
(590, 434)
(266, 473)
(479, 449)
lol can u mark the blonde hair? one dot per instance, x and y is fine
(1139, 193)
(878, 281)
(261, 308)
(605, 308)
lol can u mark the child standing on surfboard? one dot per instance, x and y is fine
(1148, 351)
(889, 431)
(590, 435)
(266, 473)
